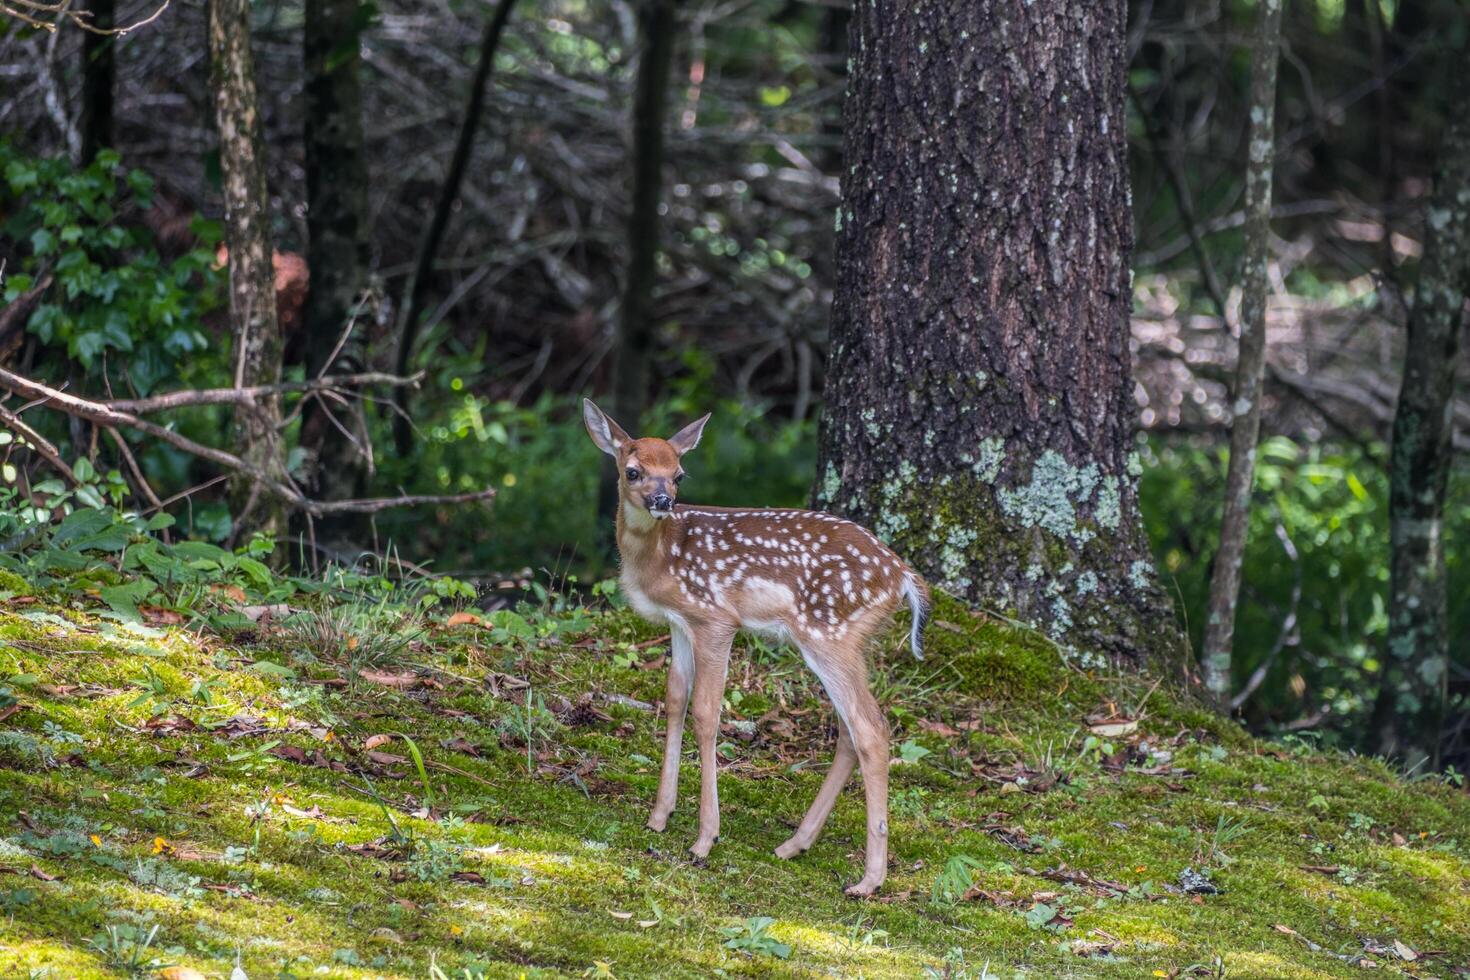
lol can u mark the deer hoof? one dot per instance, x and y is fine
(657, 822)
(792, 848)
(863, 889)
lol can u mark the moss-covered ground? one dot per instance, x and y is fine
(180, 798)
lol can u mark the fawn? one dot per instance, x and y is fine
(823, 583)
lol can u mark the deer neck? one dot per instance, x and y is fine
(641, 537)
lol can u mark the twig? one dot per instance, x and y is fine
(106, 415)
(1287, 625)
(37, 442)
(132, 463)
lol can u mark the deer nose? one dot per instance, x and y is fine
(660, 501)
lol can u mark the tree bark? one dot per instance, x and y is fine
(633, 347)
(1245, 427)
(418, 284)
(1412, 698)
(99, 73)
(656, 25)
(256, 333)
(336, 219)
(979, 411)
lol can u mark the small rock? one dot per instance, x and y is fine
(1197, 882)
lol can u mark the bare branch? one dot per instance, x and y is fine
(248, 396)
(107, 415)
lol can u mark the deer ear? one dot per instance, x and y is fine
(688, 437)
(608, 435)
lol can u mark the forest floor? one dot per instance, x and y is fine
(176, 799)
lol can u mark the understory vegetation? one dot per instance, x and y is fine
(205, 765)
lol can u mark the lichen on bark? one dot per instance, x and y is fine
(1410, 707)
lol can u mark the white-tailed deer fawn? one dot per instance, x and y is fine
(823, 583)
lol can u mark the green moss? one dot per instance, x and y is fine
(13, 583)
(568, 877)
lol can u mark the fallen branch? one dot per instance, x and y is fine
(108, 416)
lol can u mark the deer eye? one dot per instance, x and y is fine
(633, 475)
(678, 478)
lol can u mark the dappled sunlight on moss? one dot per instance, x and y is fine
(558, 858)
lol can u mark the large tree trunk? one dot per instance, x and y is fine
(1245, 427)
(99, 73)
(257, 336)
(336, 217)
(979, 410)
(1411, 702)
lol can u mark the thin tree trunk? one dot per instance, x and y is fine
(1412, 697)
(418, 284)
(99, 71)
(656, 26)
(657, 23)
(979, 398)
(257, 337)
(1245, 428)
(336, 195)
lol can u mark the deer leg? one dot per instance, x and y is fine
(843, 762)
(870, 739)
(711, 660)
(844, 674)
(676, 704)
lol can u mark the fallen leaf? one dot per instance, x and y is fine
(620, 915)
(404, 679)
(1405, 952)
(464, 619)
(1113, 728)
(937, 728)
(386, 758)
(7, 712)
(373, 741)
(180, 973)
(462, 745)
(314, 813)
(500, 684)
(260, 614)
(159, 616)
(40, 875)
(233, 591)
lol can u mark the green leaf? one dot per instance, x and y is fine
(259, 574)
(513, 624)
(80, 524)
(43, 241)
(124, 599)
(272, 669)
(912, 751)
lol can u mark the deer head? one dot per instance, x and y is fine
(649, 473)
